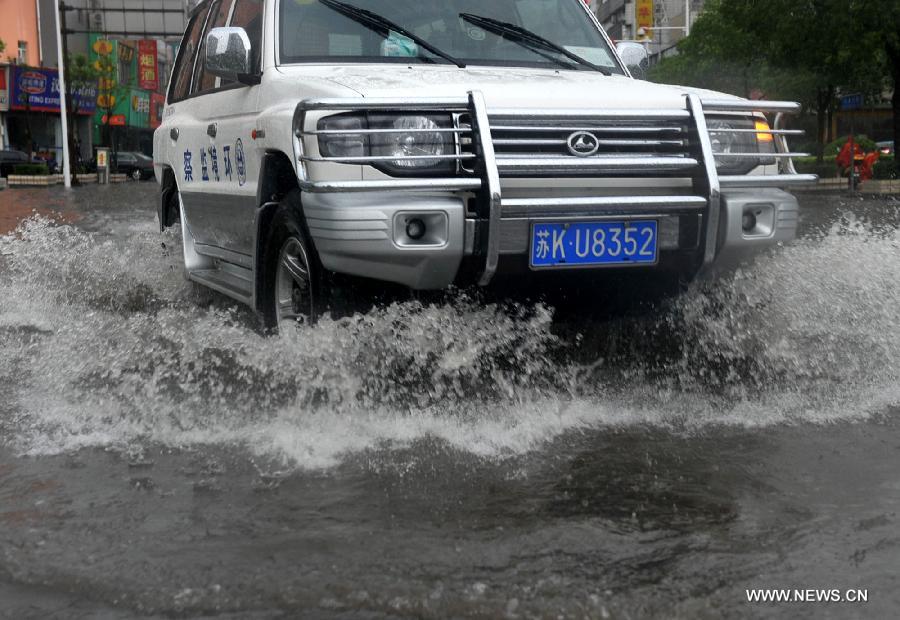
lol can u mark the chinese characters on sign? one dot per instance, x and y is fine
(643, 18)
(148, 75)
(140, 103)
(37, 90)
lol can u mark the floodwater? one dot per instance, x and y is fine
(161, 457)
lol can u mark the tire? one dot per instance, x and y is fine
(292, 276)
(136, 174)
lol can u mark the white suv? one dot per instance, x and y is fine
(433, 142)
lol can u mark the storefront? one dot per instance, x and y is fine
(124, 112)
(126, 118)
(4, 105)
(33, 124)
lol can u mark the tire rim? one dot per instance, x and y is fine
(293, 293)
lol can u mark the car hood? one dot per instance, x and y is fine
(504, 87)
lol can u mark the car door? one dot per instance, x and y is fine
(221, 205)
(124, 162)
(179, 130)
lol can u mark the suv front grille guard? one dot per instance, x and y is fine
(423, 105)
(787, 173)
(480, 168)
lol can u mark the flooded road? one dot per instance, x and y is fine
(160, 457)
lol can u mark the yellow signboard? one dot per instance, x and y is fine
(643, 19)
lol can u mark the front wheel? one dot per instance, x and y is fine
(292, 288)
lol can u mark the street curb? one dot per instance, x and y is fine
(22, 180)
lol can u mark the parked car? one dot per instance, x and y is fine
(136, 165)
(440, 142)
(886, 147)
(9, 159)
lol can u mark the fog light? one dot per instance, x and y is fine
(415, 229)
(748, 222)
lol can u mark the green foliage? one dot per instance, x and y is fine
(31, 170)
(79, 74)
(886, 168)
(780, 45)
(79, 70)
(804, 50)
(808, 165)
(2, 46)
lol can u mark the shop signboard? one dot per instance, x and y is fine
(105, 58)
(37, 90)
(148, 72)
(113, 120)
(157, 104)
(643, 19)
(4, 90)
(139, 109)
(131, 109)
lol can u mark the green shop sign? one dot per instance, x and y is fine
(131, 108)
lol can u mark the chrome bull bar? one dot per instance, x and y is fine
(484, 178)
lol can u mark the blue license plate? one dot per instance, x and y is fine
(578, 244)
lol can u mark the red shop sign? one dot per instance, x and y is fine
(148, 71)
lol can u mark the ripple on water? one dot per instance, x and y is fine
(104, 343)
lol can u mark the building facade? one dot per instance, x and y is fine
(129, 46)
(19, 34)
(627, 20)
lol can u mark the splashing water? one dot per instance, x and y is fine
(105, 344)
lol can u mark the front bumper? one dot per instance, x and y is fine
(776, 214)
(359, 225)
(364, 234)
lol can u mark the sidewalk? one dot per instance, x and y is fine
(840, 184)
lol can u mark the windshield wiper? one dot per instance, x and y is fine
(524, 36)
(382, 24)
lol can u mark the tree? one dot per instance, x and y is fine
(2, 46)
(827, 39)
(805, 49)
(81, 78)
(881, 21)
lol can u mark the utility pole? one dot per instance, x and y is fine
(63, 100)
(687, 18)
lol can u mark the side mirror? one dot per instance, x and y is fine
(635, 57)
(228, 53)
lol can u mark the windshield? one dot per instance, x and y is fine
(313, 31)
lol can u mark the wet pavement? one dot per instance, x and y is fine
(161, 457)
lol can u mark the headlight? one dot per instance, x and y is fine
(343, 144)
(725, 140)
(411, 138)
(422, 140)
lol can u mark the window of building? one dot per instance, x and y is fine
(22, 58)
(126, 56)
